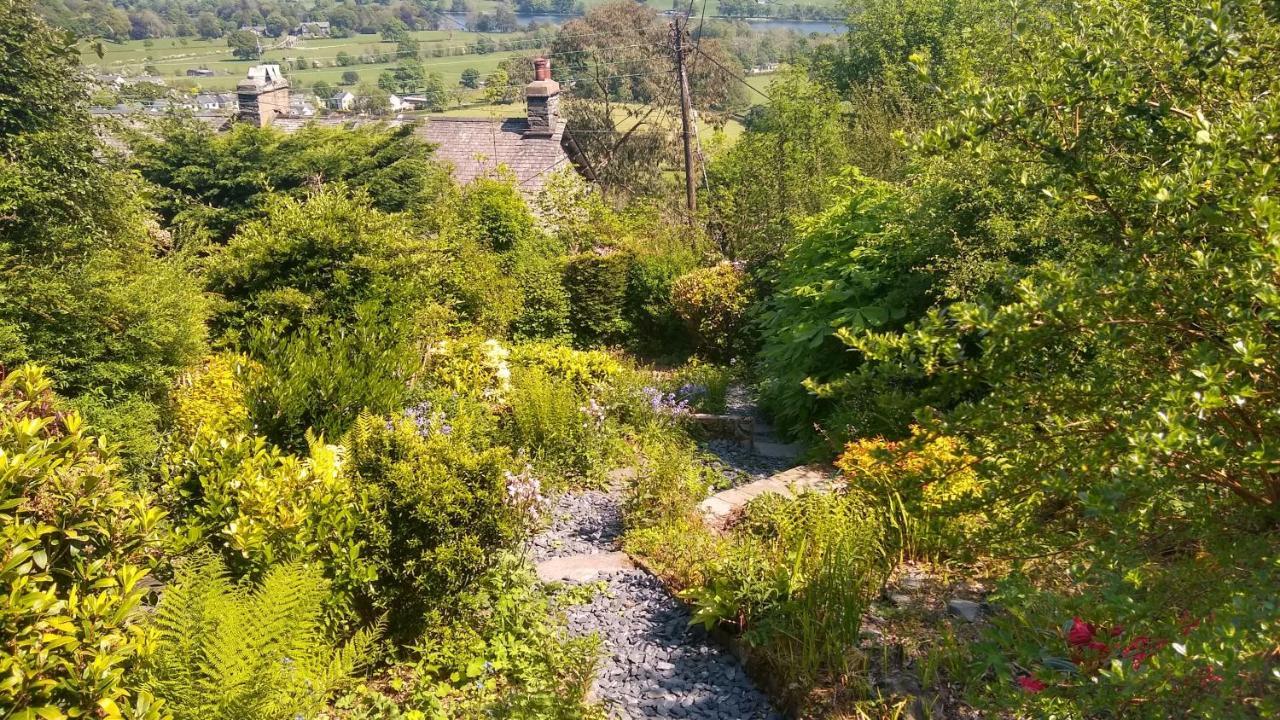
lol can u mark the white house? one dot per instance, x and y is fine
(342, 100)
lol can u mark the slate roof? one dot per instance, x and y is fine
(477, 146)
(474, 147)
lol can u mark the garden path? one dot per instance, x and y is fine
(655, 664)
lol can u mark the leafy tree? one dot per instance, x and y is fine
(85, 289)
(219, 181)
(208, 26)
(244, 45)
(470, 77)
(350, 77)
(346, 59)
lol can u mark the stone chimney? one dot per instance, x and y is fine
(263, 95)
(542, 100)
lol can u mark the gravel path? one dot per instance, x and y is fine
(654, 664)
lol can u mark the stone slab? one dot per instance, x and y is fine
(787, 451)
(818, 478)
(580, 568)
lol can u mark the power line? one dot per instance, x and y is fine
(732, 74)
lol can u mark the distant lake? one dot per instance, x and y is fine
(804, 27)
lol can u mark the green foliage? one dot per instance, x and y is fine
(86, 288)
(924, 492)
(703, 385)
(656, 329)
(37, 74)
(587, 370)
(849, 269)
(597, 286)
(320, 376)
(545, 310)
(508, 656)
(494, 212)
(713, 303)
(563, 428)
(257, 505)
(324, 256)
(669, 482)
(227, 652)
(795, 579)
(780, 170)
(217, 182)
(76, 544)
(439, 512)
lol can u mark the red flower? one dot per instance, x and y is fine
(1080, 634)
(1030, 684)
(1209, 677)
(1141, 648)
(1101, 647)
(1117, 630)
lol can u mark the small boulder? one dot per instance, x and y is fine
(966, 610)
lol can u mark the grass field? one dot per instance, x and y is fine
(173, 57)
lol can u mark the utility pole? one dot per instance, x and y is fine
(690, 184)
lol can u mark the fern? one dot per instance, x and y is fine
(228, 652)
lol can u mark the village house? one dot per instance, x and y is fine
(531, 148)
(342, 100)
(312, 29)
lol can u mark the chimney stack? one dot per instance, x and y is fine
(542, 101)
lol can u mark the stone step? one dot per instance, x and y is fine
(581, 568)
(818, 478)
(774, 449)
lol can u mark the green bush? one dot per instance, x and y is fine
(319, 376)
(76, 545)
(587, 370)
(255, 504)
(703, 385)
(655, 328)
(795, 579)
(508, 655)
(669, 482)
(326, 257)
(440, 512)
(713, 302)
(226, 652)
(564, 431)
(546, 309)
(597, 288)
(92, 287)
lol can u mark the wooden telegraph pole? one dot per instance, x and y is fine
(678, 30)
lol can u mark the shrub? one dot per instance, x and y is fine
(655, 328)
(320, 376)
(562, 429)
(495, 214)
(669, 481)
(76, 544)
(587, 370)
(545, 312)
(258, 506)
(926, 490)
(440, 511)
(507, 656)
(226, 652)
(327, 257)
(713, 302)
(795, 580)
(597, 288)
(703, 385)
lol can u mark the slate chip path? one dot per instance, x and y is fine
(653, 664)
